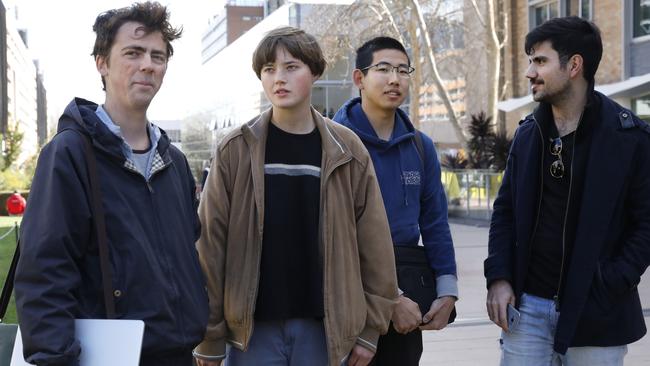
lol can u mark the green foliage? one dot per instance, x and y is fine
(488, 149)
(13, 140)
(197, 141)
(453, 160)
(481, 131)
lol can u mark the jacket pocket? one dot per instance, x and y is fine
(598, 293)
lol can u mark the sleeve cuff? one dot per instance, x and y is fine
(447, 285)
(368, 339)
(210, 350)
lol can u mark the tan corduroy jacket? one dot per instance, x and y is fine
(359, 281)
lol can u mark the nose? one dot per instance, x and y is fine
(531, 71)
(280, 76)
(147, 63)
(393, 77)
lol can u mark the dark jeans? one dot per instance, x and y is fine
(168, 359)
(398, 349)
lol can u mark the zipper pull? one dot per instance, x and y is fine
(150, 187)
(556, 301)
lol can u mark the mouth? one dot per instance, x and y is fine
(281, 92)
(393, 93)
(144, 83)
(535, 83)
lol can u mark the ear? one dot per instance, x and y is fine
(101, 62)
(357, 78)
(576, 65)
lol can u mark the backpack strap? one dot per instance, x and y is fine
(419, 145)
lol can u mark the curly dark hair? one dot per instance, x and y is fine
(153, 17)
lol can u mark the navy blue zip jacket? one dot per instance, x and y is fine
(151, 228)
(413, 195)
(608, 224)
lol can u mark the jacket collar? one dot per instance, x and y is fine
(334, 148)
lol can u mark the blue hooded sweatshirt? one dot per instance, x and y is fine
(414, 198)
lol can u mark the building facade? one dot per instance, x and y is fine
(237, 17)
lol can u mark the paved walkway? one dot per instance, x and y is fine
(473, 340)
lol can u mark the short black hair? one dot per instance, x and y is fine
(570, 36)
(366, 51)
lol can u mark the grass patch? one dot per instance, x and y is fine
(7, 248)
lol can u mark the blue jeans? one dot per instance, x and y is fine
(530, 343)
(291, 342)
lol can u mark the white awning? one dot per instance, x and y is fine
(629, 88)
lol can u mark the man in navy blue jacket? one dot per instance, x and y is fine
(147, 194)
(570, 233)
(411, 189)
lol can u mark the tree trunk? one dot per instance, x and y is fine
(416, 82)
(442, 92)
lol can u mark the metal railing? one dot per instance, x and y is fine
(471, 192)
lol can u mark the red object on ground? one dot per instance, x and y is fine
(16, 204)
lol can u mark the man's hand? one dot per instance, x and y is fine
(360, 356)
(200, 362)
(499, 295)
(438, 316)
(406, 315)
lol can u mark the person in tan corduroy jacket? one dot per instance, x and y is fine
(351, 268)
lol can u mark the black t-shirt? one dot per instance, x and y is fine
(291, 274)
(545, 266)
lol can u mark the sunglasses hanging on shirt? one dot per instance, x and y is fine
(557, 167)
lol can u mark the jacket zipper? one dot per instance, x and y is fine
(541, 187)
(326, 317)
(556, 298)
(253, 295)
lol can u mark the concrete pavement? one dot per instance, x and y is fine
(473, 339)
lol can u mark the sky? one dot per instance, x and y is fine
(60, 36)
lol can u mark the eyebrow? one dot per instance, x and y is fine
(388, 63)
(142, 49)
(272, 63)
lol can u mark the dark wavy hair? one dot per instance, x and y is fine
(153, 17)
(570, 36)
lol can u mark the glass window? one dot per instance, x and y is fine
(585, 9)
(641, 18)
(545, 11)
(641, 107)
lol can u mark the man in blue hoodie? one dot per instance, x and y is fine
(411, 188)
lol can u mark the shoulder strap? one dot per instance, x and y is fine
(9, 281)
(100, 228)
(419, 145)
(100, 231)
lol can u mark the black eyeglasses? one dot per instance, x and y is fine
(557, 167)
(384, 68)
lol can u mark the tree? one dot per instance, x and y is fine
(13, 140)
(197, 141)
(422, 27)
(482, 137)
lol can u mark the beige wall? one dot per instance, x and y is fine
(607, 14)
